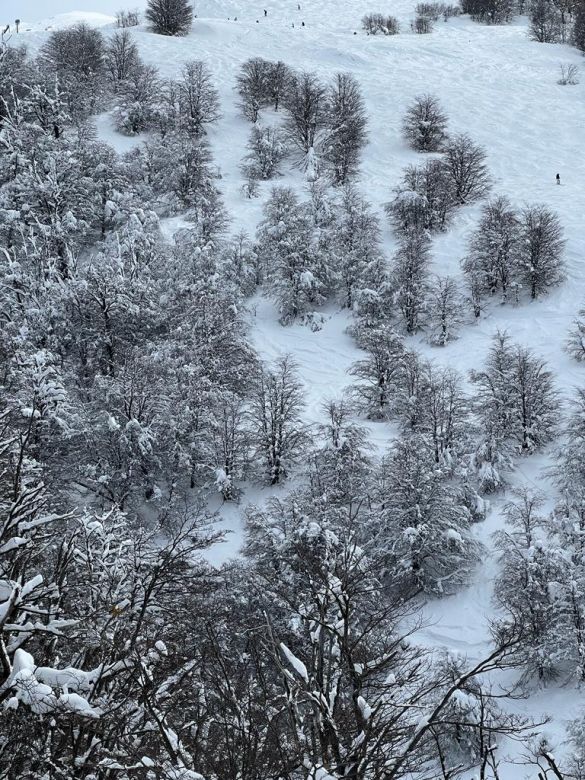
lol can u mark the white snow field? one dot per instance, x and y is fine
(494, 84)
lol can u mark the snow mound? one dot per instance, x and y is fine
(63, 21)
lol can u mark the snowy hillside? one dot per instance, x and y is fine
(495, 85)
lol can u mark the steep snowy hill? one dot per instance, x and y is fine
(494, 84)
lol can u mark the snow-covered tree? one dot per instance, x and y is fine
(253, 87)
(121, 57)
(340, 468)
(464, 163)
(525, 587)
(426, 525)
(445, 310)
(489, 11)
(170, 17)
(424, 200)
(411, 279)
(494, 248)
(76, 55)
(357, 247)
(578, 32)
(197, 98)
(279, 77)
(425, 125)
(297, 280)
(545, 22)
(306, 109)
(276, 428)
(346, 128)
(138, 100)
(378, 372)
(266, 150)
(540, 255)
(516, 397)
(575, 343)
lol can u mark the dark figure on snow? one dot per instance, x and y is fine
(299, 6)
(558, 178)
(302, 24)
(265, 12)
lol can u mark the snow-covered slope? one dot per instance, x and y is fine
(494, 84)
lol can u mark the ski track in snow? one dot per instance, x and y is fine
(495, 85)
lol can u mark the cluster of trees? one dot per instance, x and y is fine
(327, 247)
(512, 250)
(557, 21)
(128, 392)
(437, 10)
(122, 652)
(460, 176)
(426, 14)
(515, 404)
(82, 73)
(324, 127)
(490, 11)
(542, 577)
(551, 21)
(375, 24)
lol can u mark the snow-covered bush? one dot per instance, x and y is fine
(267, 149)
(422, 25)
(378, 23)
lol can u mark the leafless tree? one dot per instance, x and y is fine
(170, 17)
(121, 56)
(425, 124)
(306, 107)
(276, 429)
(464, 162)
(540, 256)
